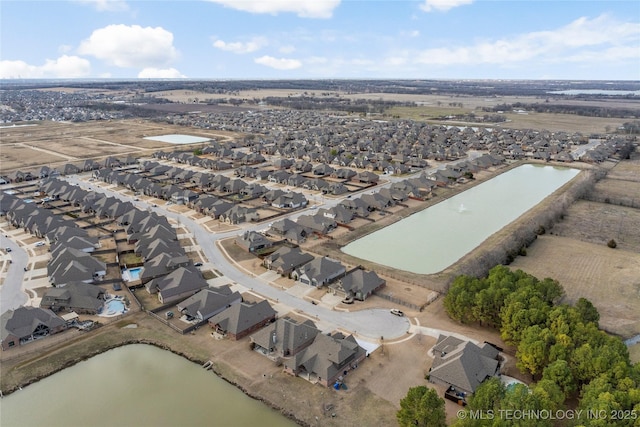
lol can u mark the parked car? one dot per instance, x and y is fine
(198, 264)
(8, 249)
(396, 312)
(39, 244)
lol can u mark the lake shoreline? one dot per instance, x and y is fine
(116, 342)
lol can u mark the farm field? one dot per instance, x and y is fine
(627, 170)
(438, 105)
(597, 223)
(609, 278)
(56, 143)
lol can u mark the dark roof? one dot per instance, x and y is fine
(240, 317)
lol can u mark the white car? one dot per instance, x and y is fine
(396, 312)
(40, 244)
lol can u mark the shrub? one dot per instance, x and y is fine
(541, 230)
(612, 244)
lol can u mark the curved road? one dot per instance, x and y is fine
(12, 295)
(369, 324)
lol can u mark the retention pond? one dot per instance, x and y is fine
(136, 385)
(433, 239)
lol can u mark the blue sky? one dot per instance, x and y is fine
(294, 39)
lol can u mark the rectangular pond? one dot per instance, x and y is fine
(433, 239)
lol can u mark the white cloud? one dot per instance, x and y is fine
(443, 5)
(287, 49)
(107, 5)
(278, 63)
(63, 67)
(65, 48)
(602, 36)
(303, 8)
(131, 46)
(155, 73)
(252, 45)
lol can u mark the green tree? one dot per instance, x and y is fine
(587, 311)
(421, 407)
(559, 373)
(549, 395)
(520, 397)
(460, 299)
(533, 349)
(488, 395)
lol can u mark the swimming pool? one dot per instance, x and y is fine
(131, 274)
(113, 307)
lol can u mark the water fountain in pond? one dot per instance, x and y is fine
(462, 209)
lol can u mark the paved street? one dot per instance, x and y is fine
(11, 294)
(371, 324)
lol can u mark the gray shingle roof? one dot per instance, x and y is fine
(462, 363)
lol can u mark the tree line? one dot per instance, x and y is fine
(561, 346)
(580, 110)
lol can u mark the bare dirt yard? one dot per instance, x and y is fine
(609, 278)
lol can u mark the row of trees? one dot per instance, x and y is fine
(559, 345)
(580, 110)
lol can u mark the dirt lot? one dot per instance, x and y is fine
(56, 143)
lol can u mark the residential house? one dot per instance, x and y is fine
(327, 359)
(319, 272)
(357, 206)
(252, 241)
(339, 213)
(291, 200)
(367, 177)
(284, 338)
(359, 284)
(179, 284)
(75, 296)
(286, 259)
(317, 223)
(238, 214)
(240, 320)
(73, 265)
(377, 201)
(462, 364)
(206, 303)
(25, 324)
(163, 264)
(289, 230)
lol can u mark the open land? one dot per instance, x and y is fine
(54, 144)
(432, 106)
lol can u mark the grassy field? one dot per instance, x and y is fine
(599, 222)
(551, 122)
(609, 278)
